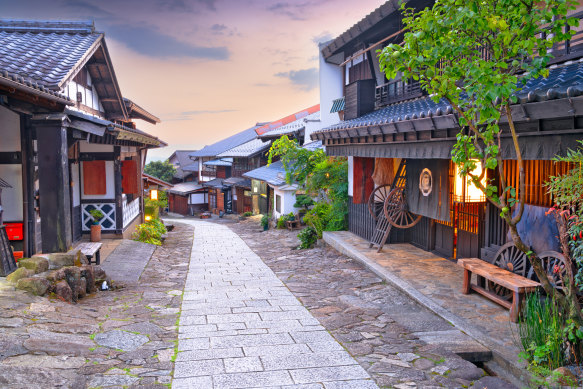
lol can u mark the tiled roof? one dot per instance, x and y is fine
(137, 112)
(185, 188)
(227, 143)
(246, 149)
(273, 174)
(26, 85)
(288, 119)
(563, 81)
(45, 52)
(156, 180)
(193, 167)
(338, 105)
(214, 183)
(219, 162)
(183, 157)
(296, 125)
(312, 146)
(237, 181)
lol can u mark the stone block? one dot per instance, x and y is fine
(19, 273)
(59, 260)
(78, 257)
(35, 285)
(82, 292)
(56, 275)
(63, 290)
(88, 272)
(36, 264)
(100, 275)
(73, 278)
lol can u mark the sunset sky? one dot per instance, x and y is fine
(209, 68)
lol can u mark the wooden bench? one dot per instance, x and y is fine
(517, 284)
(90, 249)
(292, 224)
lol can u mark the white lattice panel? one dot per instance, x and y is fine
(108, 221)
(130, 211)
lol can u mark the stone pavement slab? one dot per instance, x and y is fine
(241, 327)
(127, 262)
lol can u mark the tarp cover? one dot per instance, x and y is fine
(435, 204)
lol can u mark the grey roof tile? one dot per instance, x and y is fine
(246, 149)
(227, 143)
(185, 188)
(296, 125)
(273, 174)
(44, 52)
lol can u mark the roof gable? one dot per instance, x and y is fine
(51, 54)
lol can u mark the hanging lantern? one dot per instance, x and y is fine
(154, 194)
(465, 191)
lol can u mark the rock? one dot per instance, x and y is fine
(112, 380)
(36, 264)
(407, 357)
(56, 275)
(100, 275)
(35, 285)
(59, 260)
(423, 364)
(79, 258)
(489, 382)
(88, 272)
(34, 377)
(73, 278)
(63, 290)
(45, 361)
(121, 340)
(467, 373)
(19, 273)
(563, 377)
(82, 292)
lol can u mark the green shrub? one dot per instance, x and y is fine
(150, 232)
(308, 237)
(265, 220)
(542, 331)
(247, 214)
(283, 218)
(303, 201)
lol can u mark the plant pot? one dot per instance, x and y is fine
(96, 233)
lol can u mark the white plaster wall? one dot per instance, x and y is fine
(288, 199)
(310, 127)
(95, 148)
(89, 96)
(12, 197)
(76, 183)
(9, 130)
(109, 180)
(330, 88)
(350, 175)
(197, 198)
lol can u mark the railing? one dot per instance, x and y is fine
(208, 173)
(571, 47)
(130, 211)
(395, 91)
(237, 172)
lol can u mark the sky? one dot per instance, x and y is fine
(209, 68)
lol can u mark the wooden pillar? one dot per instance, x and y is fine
(118, 189)
(29, 214)
(55, 200)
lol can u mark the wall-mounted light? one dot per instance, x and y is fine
(465, 190)
(154, 194)
(148, 218)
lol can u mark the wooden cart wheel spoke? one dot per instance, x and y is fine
(377, 199)
(397, 212)
(510, 258)
(553, 264)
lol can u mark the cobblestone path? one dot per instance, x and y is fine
(395, 339)
(240, 326)
(123, 338)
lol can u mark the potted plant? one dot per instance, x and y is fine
(97, 215)
(265, 221)
(303, 201)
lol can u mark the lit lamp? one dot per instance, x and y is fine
(154, 194)
(148, 218)
(465, 191)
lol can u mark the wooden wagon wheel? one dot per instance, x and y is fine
(510, 258)
(553, 264)
(376, 200)
(397, 211)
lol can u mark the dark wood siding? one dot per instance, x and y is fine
(362, 182)
(360, 98)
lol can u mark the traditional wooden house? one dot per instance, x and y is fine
(186, 168)
(69, 144)
(398, 143)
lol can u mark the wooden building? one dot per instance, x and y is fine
(394, 135)
(69, 144)
(186, 168)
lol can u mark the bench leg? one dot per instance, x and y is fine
(466, 288)
(98, 257)
(516, 305)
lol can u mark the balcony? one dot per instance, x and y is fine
(395, 91)
(572, 48)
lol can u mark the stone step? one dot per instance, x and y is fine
(457, 342)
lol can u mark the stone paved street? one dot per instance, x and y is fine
(400, 343)
(240, 327)
(115, 339)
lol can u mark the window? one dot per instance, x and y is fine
(212, 199)
(129, 177)
(278, 203)
(94, 182)
(357, 69)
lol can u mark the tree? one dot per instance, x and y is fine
(476, 54)
(163, 170)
